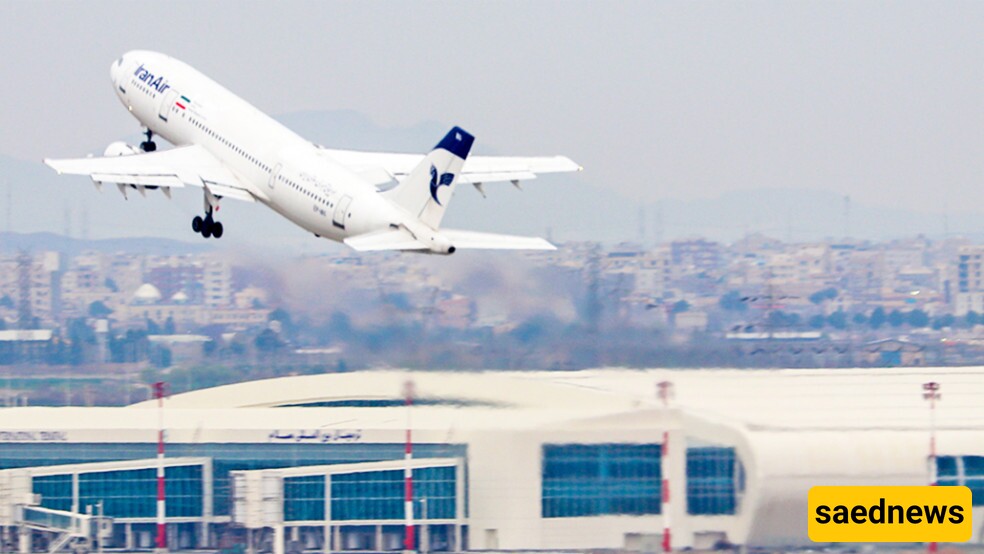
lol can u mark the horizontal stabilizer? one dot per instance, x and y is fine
(401, 239)
(490, 241)
(393, 239)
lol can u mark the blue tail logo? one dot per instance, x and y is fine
(439, 181)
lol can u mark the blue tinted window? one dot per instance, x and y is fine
(226, 457)
(963, 470)
(133, 493)
(712, 475)
(946, 466)
(380, 494)
(596, 479)
(304, 498)
(55, 491)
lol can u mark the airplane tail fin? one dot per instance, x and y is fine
(427, 190)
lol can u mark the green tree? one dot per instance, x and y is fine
(733, 302)
(896, 318)
(340, 326)
(972, 318)
(918, 318)
(859, 319)
(822, 296)
(877, 318)
(99, 310)
(680, 306)
(838, 319)
(161, 357)
(268, 341)
(280, 315)
(817, 321)
(780, 318)
(534, 329)
(945, 320)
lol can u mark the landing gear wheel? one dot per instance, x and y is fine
(217, 229)
(206, 230)
(148, 145)
(196, 224)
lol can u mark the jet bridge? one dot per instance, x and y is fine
(51, 507)
(346, 507)
(65, 528)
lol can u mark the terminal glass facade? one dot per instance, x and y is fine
(380, 494)
(304, 498)
(55, 491)
(226, 457)
(126, 493)
(600, 479)
(714, 479)
(372, 495)
(962, 470)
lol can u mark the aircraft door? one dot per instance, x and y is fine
(340, 210)
(273, 176)
(166, 102)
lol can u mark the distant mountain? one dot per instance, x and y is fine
(35, 242)
(567, 206)
(802, 215)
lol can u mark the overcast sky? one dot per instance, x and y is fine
(880, 100)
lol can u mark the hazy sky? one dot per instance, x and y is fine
(880, 100)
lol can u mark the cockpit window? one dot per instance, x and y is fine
(119, 62)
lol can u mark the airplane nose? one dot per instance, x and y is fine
(114, 70)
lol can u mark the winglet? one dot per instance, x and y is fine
(458, 142)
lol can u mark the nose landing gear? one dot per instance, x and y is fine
(148, 145)
(207, 227)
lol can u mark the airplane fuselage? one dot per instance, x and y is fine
(292, 176)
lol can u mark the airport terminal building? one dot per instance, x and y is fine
(501, 460)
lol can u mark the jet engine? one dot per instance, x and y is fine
(121, 148)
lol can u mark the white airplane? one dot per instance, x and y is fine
(230, 149)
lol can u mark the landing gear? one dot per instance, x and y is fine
(148, 145)
(207, 227)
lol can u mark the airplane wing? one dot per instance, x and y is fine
(168, 169)
(380, 168)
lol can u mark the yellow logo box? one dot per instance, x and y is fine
(890, 514)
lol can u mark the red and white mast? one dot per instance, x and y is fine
(931, 392)
(408, 535)
(161, 542)
(664, 391)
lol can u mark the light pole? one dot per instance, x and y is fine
(424, 528)
(664, 390)
(931, 392)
